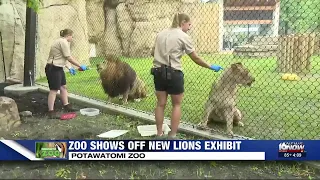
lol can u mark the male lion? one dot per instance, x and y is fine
(138, 90)
(221, 104)
(118, 78)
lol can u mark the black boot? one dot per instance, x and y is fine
(69, 108)
(53, 115)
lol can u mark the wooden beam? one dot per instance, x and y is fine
(244, 8)
(248, 22)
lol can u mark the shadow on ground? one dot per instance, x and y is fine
(40, 127)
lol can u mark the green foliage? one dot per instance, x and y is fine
(301, 15)
(34, 4)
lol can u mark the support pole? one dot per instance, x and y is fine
(30, 47)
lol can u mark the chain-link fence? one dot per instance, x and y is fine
(276, 41)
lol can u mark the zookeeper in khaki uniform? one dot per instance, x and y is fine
(59, 55)
(170, 45)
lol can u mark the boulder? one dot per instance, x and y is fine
(12, 28)
(120, 27)
(150, 17)
(190, 1)
(95, 19)
(54, 16)
(130, 25)
(48, 3)
(26, 113)
(125, 26)
(146, 10)
(144, 35)
(9, 114)
(111, 42)
(113, 3)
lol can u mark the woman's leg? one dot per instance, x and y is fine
(63, 89)
(64, 95)
(176, 113)
(54, 84)
(176, 92)
(159, 111)
(51, 99)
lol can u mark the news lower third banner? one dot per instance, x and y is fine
(37, 150)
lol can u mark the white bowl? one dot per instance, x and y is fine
(89, 111)
(150, 130)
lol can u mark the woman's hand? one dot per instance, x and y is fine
(215, 67)
(83, 68)
(72, 71)
(204, 64)
(74, 62)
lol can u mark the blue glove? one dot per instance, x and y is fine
(72, 71)
(216, 68)
(83, 68)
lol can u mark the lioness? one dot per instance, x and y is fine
(221, 104)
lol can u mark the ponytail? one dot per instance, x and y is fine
(66, 32)
(62, 33)
(178, 19)
(175, 22)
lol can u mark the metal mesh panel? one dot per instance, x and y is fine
(277, 42)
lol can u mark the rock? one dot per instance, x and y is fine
(125, 26)
(9, 114)
(141, 39)
(131, 25)
(144, 35)
(111, 43)
(95, 19)
(190, 1)
(12, 27)
(53, 17)
(119, 27)
(113, 3)
(146, 10)
(26, 113)
(19, 37)
(48, 3)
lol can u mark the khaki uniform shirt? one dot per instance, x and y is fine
(171, 44)
(59, 52)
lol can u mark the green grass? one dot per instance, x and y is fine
(272, 108)
(84, 127)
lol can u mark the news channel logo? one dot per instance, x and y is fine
(292, 150)
(51, 150)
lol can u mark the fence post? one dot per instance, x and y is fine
(30, 47)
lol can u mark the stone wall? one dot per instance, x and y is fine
(53, 17)
(12, 28)
(129, 27)
(120, 27)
